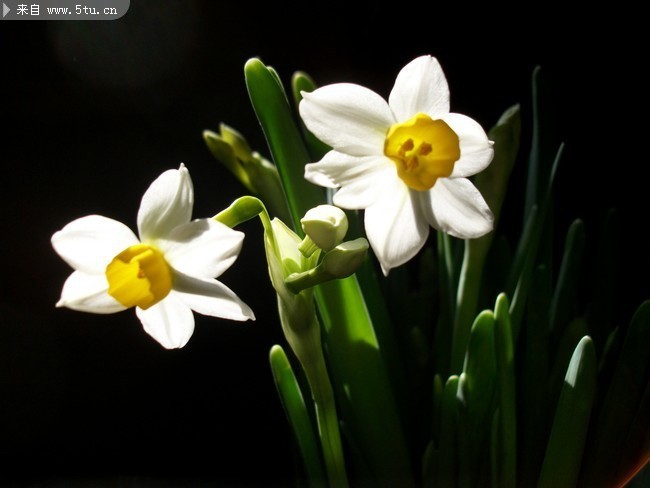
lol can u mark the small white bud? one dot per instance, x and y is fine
(325, 225)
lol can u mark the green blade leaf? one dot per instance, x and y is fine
(283, 137)
(621, 402)
(448, 459)
(507, 405)
(572, 335)
(466, 470)
(353, 344)
(296, 410)
(480, 380)
(534, 379)
(600, 313)
(447, 289)
(301, 82)
(542, 145)
(429, 465)
(565, 298)
(636, 451)
(438, 389)
(526, 254)
(492, 183)
(495, 450)
(563, 457)
(364, 391)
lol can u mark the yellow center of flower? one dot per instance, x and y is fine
(423, 150)
(139, 276)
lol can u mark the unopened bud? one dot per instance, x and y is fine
(345, 259)
(325, 225)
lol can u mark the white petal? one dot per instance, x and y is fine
(350, 118)
(420, 86)
(166, 204)
(211, 297)
(88, 293)
(203, 247)
(365, 191)
(395, 227)
(336, 168)
(170, 321)
(88, 244)
(360, 178)
(475, 148)
(456, 207)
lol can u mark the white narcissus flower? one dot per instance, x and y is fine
(405, 161)
(165, 274)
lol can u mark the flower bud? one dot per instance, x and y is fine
(345, 259)
(325, 225)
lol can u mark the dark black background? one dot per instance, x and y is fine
(92, 112)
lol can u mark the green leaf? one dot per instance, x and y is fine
(480, 380)
(565, 297)
(466, 470)
(534, 379)
(429, 465)
(492, 183)
(542, 145)
(283, 137)
(607, 364)
(495, 450)
(621, 402)
(563, 457)
(438, 389)
(572, 335)
(637, 444)
(301, 82)
(600, 313)
(364, 390)
(526, 255)
(507, 406)
(448, 465)
(447, 300)
(296, 410)
(353, 344)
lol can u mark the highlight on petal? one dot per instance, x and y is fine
(88, 293)
(420, 86)
(166, 204)
(170, 322)
(456, 207)
(337, 168)
(360, 177)
(203, 247)
(210, 297)
(88, 244)
(349, 118)
(395, 227)
(362, 193)
(476, 150)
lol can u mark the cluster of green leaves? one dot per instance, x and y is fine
(434, 385)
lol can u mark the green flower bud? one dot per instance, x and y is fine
(345, 259)
(257, 174)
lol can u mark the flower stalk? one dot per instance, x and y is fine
(298, 319)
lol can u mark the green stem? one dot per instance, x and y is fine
(469, 287)
(328, 423)
(243, 209)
